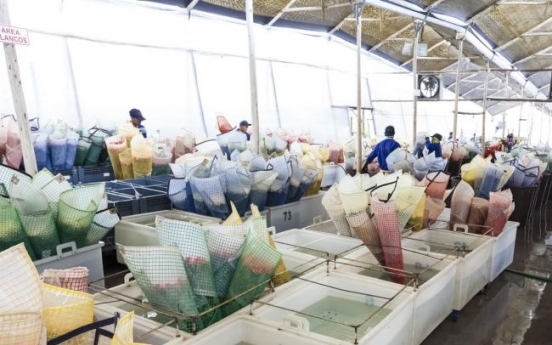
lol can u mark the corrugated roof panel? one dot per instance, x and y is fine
(535, 63)
(502, 23)
(540, 79)
(463, 10)
(326, 16)
(527, 46)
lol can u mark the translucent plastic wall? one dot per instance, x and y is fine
(90, 61)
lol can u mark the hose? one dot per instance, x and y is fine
(529, 275)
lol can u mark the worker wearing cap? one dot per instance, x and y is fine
(433, 144)
(510, 141)
(383, 149)
(243, 128)
(136, 119)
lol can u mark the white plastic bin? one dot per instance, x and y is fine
(251, 331)
(127, 297)
(503, 246)
(474, 268)
(311, 210)
(433, 300)
(299, 263)
(328, 296)
(69, 256)
(327, 226)
(503, 251)
(316, 243)
(139, 230)
(145, 331)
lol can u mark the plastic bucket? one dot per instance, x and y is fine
(115, 146)
(83, 146)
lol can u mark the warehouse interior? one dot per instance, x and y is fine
(327, 76)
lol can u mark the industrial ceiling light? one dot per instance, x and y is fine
(407, 49)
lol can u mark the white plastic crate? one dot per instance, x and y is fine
(368, 294)
(139, 230)
(299, 263)
(474, 268)
(504, 244)
(128, 297)
(433, 300)
(283, 217)
(327, 226)
(503, 251)
(68, 256)
(248, 330)
(145, 331)
(316, 243)
(311, 210)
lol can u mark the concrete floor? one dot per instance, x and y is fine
(513, 310)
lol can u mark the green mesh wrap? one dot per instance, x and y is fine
(254, 271)
(26, 198)
(41, 230)
(190, 239)
(160, 273)
(102, 223)
(12, 231)
(76, 210)
(225, 252)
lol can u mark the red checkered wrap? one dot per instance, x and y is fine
(75, 278)
(436, 184)
(366, 230)
(387, 223)
(499, 204)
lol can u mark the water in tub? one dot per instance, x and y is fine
(380, 273)
(343, 311)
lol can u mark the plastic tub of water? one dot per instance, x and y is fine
(475, 257)
(247, 330)
(139, 230)
(311, 210)
(433, 301)
(503, 250)
(324, 307)
(299, 263)
(327, 226)
(316, 243)
(127, 297)
(503, 245)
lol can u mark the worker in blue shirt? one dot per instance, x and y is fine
(510, 141)
(383, 149)
(433, 144)
(136, 119)
(244, 125)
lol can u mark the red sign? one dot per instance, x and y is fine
(11, 35)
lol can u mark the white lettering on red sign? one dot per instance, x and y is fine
(9, 34)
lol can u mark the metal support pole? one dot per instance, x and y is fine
(18, 97)
(417, 29)
(550, 87)
(521, 117)
(485, 107)
(457, 90)
(198, 93)
(252, 74)
(275, 94)
(358, 14)
(504, 114)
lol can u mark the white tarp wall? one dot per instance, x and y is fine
(90, 61)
